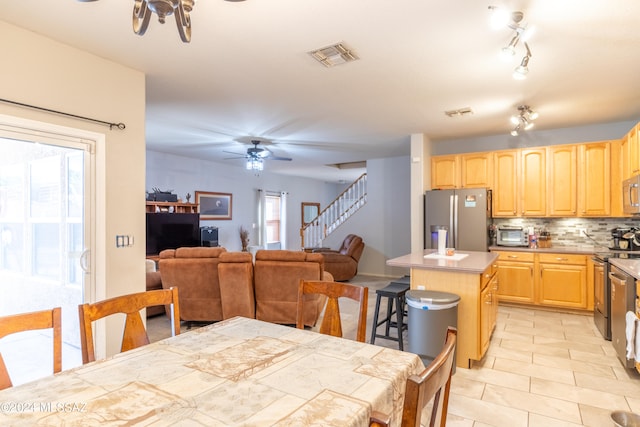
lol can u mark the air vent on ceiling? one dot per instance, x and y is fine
(459, 112)
(333, 55)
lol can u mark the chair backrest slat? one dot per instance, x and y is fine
(331, 321)
(135, 334)
(22, 322)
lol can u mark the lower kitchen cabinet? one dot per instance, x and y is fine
(488, 311)
(544, 279)
(516, 277)
(563, 280)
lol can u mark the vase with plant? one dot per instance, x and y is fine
(244, 238)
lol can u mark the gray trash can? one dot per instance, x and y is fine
(430, 313)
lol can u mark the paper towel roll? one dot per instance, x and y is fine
(442, 242)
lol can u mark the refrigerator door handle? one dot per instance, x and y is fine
(454, 210)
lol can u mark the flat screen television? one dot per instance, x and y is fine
(171, 231)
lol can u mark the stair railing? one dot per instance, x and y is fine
(336, 213)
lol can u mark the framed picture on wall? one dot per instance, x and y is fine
(214, 205)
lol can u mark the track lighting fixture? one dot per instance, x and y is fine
(523, 120)
(513, 20)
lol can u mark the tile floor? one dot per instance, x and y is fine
(542, 369)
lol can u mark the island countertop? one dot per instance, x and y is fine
(460, 261)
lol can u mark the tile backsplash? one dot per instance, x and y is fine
(566, 231)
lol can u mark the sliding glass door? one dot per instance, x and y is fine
(44, 209)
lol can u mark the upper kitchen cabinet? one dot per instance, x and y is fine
(445, 172)
(505, 200)
(532, 182)
(617, 162)
(562, 186)
(476, 170)
(594, 183)
(630, 153)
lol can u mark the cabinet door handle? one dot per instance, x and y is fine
(512, 256)
(562, 259)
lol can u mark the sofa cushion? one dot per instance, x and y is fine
(235, 272)
(195, 272)
(277, 275)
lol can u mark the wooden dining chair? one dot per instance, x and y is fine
(420, 389)
(433, 383)
(135, 334)
(22, 322)
(331, 322)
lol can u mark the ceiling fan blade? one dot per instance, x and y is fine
(278, 158)
(231, 152)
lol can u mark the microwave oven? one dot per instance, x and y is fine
(512, 236)
(630, 195)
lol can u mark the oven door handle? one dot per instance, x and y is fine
(618, 279)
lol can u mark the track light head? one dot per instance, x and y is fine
(523, 120)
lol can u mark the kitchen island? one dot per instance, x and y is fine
(471, 276)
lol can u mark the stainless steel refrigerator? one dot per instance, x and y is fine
(465, 213)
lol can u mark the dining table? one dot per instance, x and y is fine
(236, 372)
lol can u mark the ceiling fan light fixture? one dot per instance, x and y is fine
(255, 164)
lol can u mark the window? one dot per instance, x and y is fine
(273, 219)
(272, 216)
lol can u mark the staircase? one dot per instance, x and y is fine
(336, 213)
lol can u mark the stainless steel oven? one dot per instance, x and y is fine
(623, 292)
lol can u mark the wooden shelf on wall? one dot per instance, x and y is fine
(177, 207)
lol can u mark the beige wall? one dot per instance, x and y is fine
(42, 72)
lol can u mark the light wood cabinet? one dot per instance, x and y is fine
(516, 276)
(532, 182)
(476, 170)
(544, 279)
(167, 207)
(563, 280)
(562, 186)
(488, 310)
(572, 180)
(505, 201)
(594, 183)
(445, 172)
(473, 170)
(631, 153)
(617, 162)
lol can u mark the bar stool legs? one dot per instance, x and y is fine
(395, 294)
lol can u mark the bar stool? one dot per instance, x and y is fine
(393, 292)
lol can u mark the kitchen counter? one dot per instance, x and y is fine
(471, 262)
(581, 250)
(471, 276)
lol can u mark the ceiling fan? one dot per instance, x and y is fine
(255, 156)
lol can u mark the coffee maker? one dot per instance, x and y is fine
(619, 242)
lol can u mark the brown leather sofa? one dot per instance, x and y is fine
(276, 278)
(195, 272)
(343, 263)
(154, 282)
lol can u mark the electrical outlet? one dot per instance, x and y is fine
(582, 232)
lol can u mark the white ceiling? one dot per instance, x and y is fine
(246, 72)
